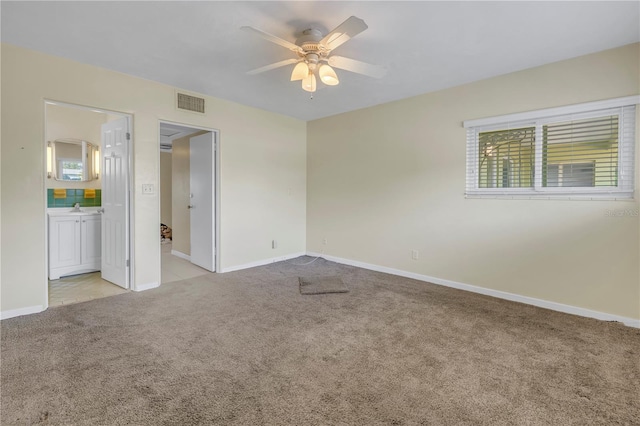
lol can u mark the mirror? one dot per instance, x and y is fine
(74, 160)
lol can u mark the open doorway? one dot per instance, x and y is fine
(87, 203)
(188, 201)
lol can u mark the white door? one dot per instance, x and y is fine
(202, 159)
(115, 221)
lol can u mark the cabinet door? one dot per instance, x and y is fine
(90, 246)
(64, 241)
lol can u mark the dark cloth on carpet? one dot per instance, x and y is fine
(322, 285)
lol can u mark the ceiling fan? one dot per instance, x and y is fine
(313, 51)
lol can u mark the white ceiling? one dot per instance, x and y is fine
(426, 46)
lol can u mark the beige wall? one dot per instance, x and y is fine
(260, 153)
(390, 179)
(165, 188)
(66, 122)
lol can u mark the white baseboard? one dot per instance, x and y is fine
(147, 286)
(554, 306)
(22, 311)
(262, 262)
(181, 255)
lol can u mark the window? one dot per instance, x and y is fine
(571, 174)
(506, 158)
(579, 151)
(69, 169)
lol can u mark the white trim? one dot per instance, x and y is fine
(45, 289)
(130, 208)
(181, 255)
(217, 249)
(548, 112)
(147, 286)
(22, 311)
(262, 262)
(539, 195)
(554, 306)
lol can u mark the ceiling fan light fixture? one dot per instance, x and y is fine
(328, 75)
(300, 71)
(309, 83)
(314, 58)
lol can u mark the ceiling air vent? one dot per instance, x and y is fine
(190, 103)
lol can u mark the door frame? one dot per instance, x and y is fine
(216, 189)
(130, 190)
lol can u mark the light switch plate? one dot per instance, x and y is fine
(147, 188)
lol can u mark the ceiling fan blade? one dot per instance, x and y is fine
(272, 66)
(273, 39)
(343, 32)
(358, 67)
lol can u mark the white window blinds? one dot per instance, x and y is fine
(581, 153)
(578, 151)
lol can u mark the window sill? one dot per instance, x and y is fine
(604, 196)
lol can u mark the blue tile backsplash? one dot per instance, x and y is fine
(74, 196)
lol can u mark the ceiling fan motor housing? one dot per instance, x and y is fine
(310, 43)
(310, 39)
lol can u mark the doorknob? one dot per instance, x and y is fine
(190, 206)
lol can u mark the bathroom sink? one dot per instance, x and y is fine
(72, 212)
(76, 208)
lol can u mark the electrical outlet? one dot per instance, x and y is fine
(147, 188)
(324, 241)
(274, 244)
(415, 255)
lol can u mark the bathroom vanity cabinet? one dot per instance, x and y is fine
(74, 243)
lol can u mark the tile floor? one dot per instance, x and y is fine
(175, 268)
(80, 288)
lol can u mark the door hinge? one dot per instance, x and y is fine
(128, 263)
(128, 136)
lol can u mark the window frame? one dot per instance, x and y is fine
(626, 150)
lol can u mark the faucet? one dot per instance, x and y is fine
(76, 208)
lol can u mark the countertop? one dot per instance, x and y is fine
(68, 211)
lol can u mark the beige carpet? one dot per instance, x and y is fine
(245, 348)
